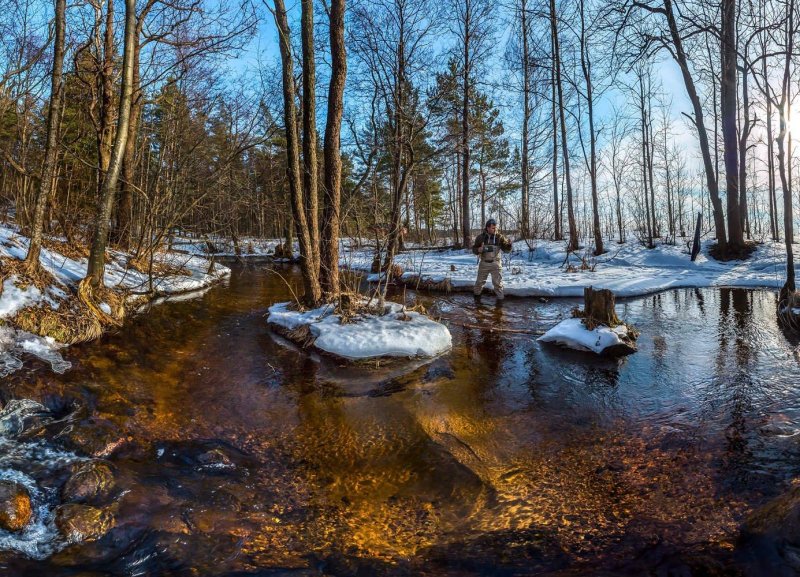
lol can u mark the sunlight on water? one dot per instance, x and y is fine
(236, 451)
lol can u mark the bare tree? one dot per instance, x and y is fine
(329, 271)
(96, 268)
(313, 291)
(50, 165)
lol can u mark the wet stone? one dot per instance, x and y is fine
(15, 506)
(92, 481)
(215, 458)
(82, 522)
(95, 436)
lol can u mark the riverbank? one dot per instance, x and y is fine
(41, 315)
(544, 269)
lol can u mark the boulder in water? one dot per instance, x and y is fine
(92, 481)
(83, 522)
(15, 506)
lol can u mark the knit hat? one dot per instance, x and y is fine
(491, 222)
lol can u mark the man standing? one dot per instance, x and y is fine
(488, 245)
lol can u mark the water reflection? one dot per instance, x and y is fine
(236, 452)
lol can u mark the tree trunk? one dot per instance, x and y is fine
(573, 230)
(773, 201)
(645, 149)
(586, 66)
(557, 234)
(122, 232)
(466, 228)
(783, 159)
(744, 134)
(697, 107)
(526, 113)
(47, 183)
(310, 185)
(105, 134)
(329, 270)
(729, 111)
(96, 268)
(313, 292)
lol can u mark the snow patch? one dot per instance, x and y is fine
(396, 333)
(573, 333)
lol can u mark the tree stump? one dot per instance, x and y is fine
(599, 311)
(598, 308)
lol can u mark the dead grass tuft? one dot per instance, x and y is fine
(141, 263)
(39, 278)
(68, 249)
(69, 324)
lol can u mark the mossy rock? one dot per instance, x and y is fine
(91, 482)
(79, 523)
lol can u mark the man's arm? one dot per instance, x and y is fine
(476, 247)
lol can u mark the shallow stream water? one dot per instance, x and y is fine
(235, 453)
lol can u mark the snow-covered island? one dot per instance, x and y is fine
(573, 334)
(392, 332)
(596, 328)
(41, 317)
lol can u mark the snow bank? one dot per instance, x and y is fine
(394, 334)
(573, 333)
(628, 270)
(67, 273)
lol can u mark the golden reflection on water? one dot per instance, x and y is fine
(466, 448)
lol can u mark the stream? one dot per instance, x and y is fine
(235, 453)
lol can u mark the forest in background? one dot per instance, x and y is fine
(553, 117)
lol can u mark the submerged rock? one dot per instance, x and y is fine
(90, 482)
(94, 436)
(15, 506)
(83, 522)
(770, 536)
(215, 458)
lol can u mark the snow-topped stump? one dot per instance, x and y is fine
(596, 328)
(395, 333)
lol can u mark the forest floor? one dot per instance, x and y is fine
(39, 315)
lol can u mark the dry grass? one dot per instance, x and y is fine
(69, 324)
(141, 263)
(39, 278)
(67, 249)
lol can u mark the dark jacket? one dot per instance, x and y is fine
(487, 239)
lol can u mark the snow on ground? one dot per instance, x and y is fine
(628, 270)
(396, 333)
(68, 273)
(573, 333)
(223, 247)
